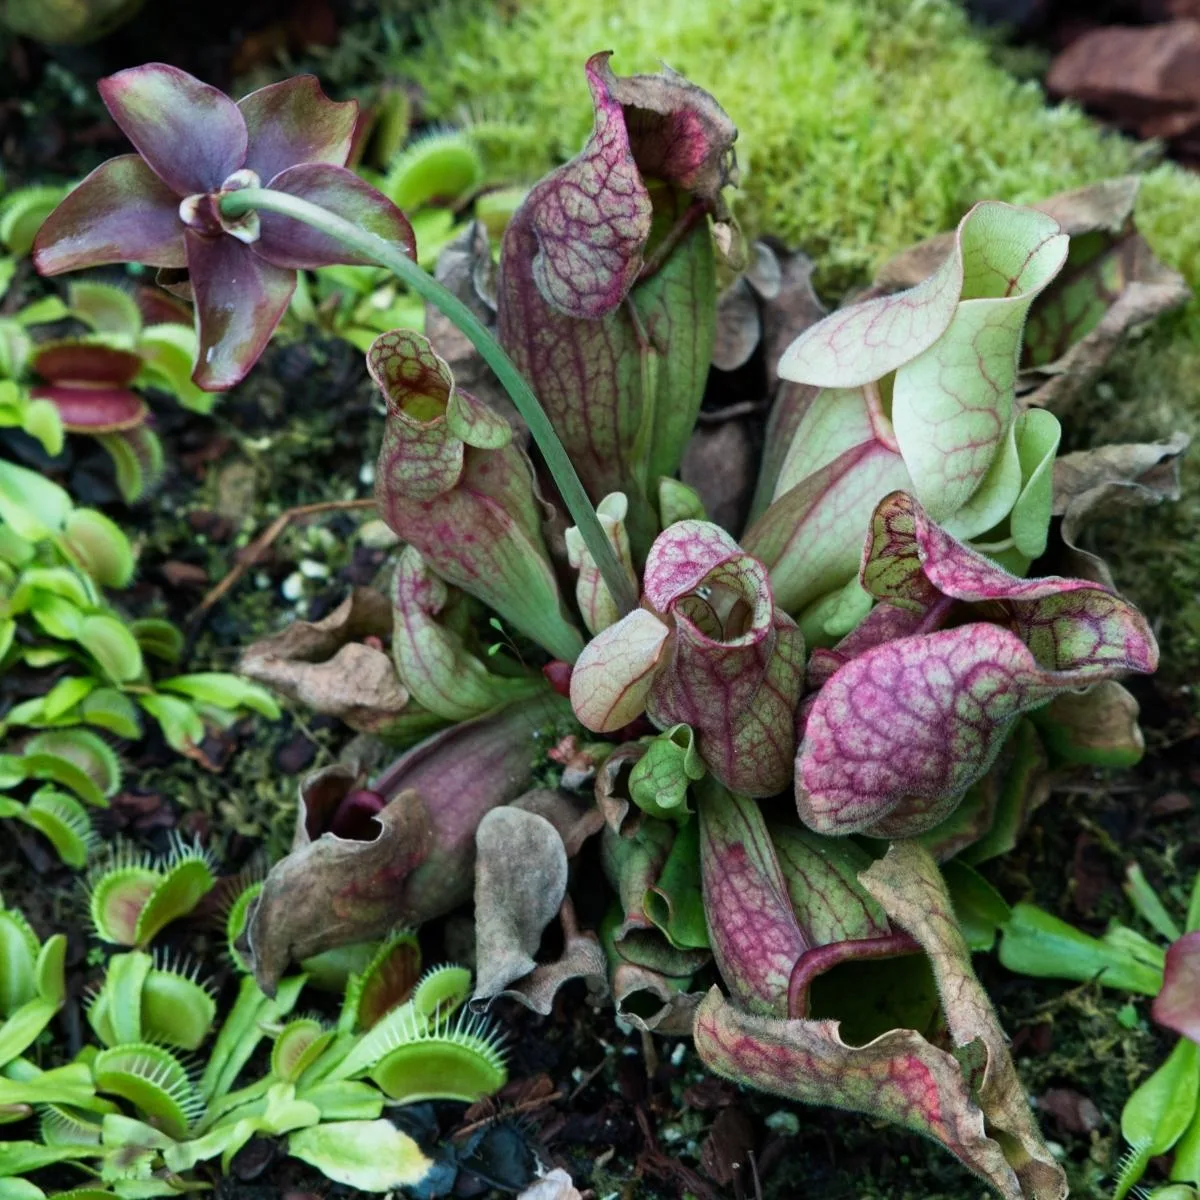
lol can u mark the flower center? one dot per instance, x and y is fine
(202, 212)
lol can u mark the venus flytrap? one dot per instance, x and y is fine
(132, 896)
(55, 561)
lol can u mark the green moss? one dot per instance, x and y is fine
(865, 126)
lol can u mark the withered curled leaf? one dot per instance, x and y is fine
(1092, 482)
(331, 667)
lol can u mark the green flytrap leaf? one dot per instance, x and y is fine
(1159, 1112)
(152, 999)
(1034, 942)
(443, 167)
(60, 818)
(373, 1156)
(134, 895)
(76, 759)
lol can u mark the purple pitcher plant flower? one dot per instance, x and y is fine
(161, 206)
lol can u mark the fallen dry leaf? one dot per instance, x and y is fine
(520, 881)
(327, 666)
(1092, 482)
(653, 1003)
(727, 1149)
(582, 957)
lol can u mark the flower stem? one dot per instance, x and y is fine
(234, 204)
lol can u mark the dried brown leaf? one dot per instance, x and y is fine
(520, 881)
(326, 666)
(612, 797)
(653, 1002)
(582, 957)
(1092, 482)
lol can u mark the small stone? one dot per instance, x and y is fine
(1170, 804)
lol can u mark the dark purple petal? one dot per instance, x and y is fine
(86, 363)
(161, 308)
(191, 135)
(122, 212)
(1177, 1006)
(239, 301)
(94, 410)
(290, 243)
(294, 122)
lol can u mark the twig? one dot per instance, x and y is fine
(261, 544)
(505, 1114)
